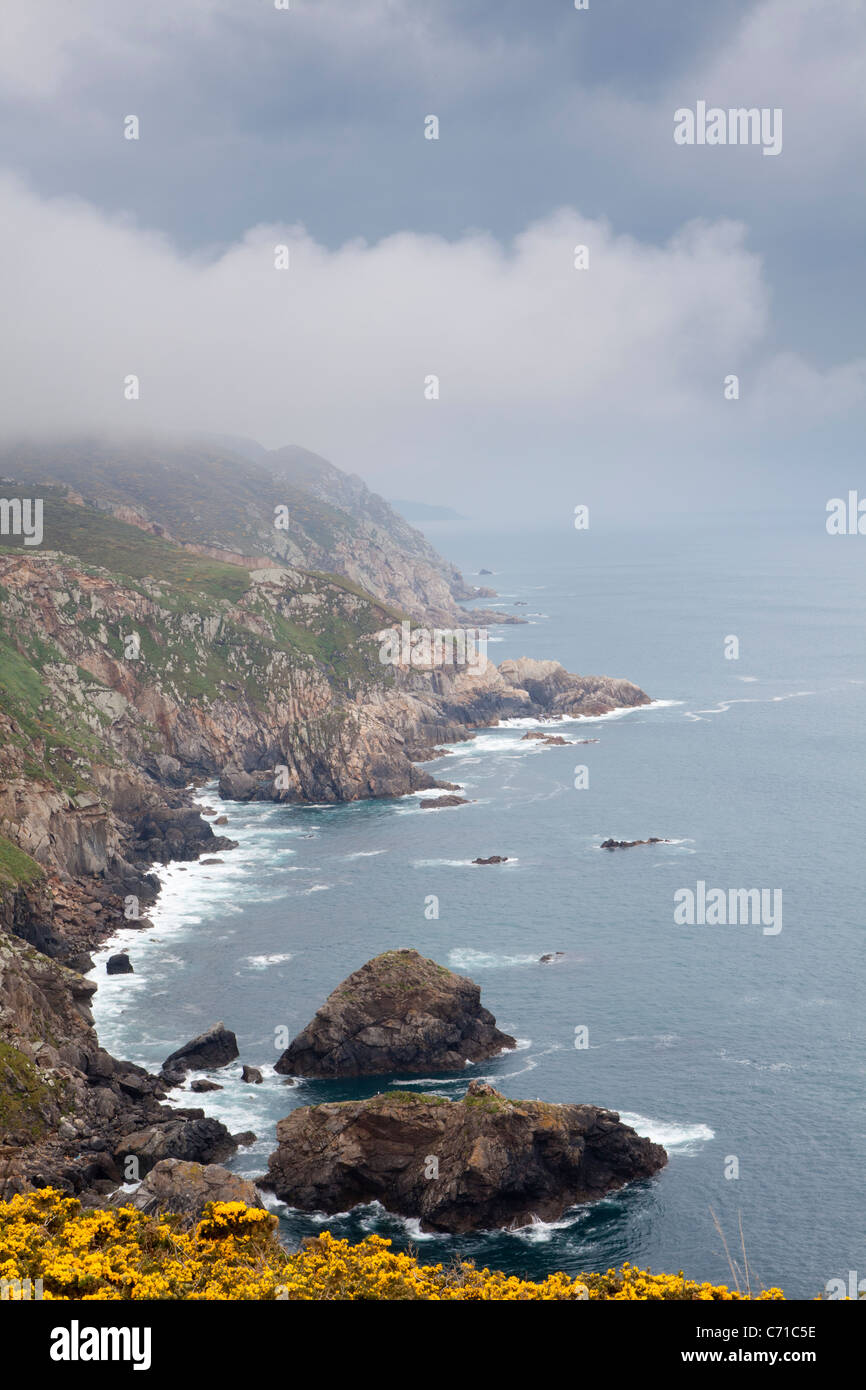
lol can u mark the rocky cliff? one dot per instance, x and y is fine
(234, 498)
(133, 666)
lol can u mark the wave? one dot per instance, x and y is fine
(525, 722)
(676, 1138)
(725, 705)
(262, 962)
(465, 958)
(460, 863)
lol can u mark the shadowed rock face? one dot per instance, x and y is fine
(398, 1012)
(216, 1047)
(482, 1162)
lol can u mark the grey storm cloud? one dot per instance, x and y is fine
(453, 257)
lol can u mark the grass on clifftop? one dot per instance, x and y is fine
(233, 1254)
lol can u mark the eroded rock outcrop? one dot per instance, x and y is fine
(70, 1113)
(215, 1047)
(185, 1189)
(481, 1162)
(399, 1012)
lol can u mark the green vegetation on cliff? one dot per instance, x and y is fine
(17, 869)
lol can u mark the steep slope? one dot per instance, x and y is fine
(202, 493)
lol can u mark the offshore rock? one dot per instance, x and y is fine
(216, 1047)
(481, 1162)
(399, 1012)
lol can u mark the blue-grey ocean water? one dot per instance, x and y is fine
(722, 1042)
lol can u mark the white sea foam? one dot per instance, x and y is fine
(262, 962)
(465, 958)
(724, 706)
(522, 722)
(676, 1138)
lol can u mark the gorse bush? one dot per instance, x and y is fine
(233, 1253)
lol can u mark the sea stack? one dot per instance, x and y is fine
(399, 1012)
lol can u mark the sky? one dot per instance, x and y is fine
(412, 259)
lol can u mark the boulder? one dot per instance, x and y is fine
(119, 964)
(440, 802)
(199, 1140)
(214, 1048)
(399, 1012)
(184, 1189)
(251, 1074)
(235, 784)
(473, 1164)
(200, 1086)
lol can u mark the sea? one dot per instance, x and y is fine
(739, 1047)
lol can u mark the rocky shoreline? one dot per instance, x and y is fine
(184, 663)
(90, 1121)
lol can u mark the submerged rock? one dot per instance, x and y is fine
(399, 1012)
(630, 844)
(439, 802)
(494, 859)
(477, 1163)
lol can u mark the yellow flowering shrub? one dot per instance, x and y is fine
(233, 1253)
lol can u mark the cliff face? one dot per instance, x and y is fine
(224, 498)
(133, 665)
(481, 1162)
(71, 1115)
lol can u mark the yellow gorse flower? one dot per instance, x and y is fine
(233, 1253)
